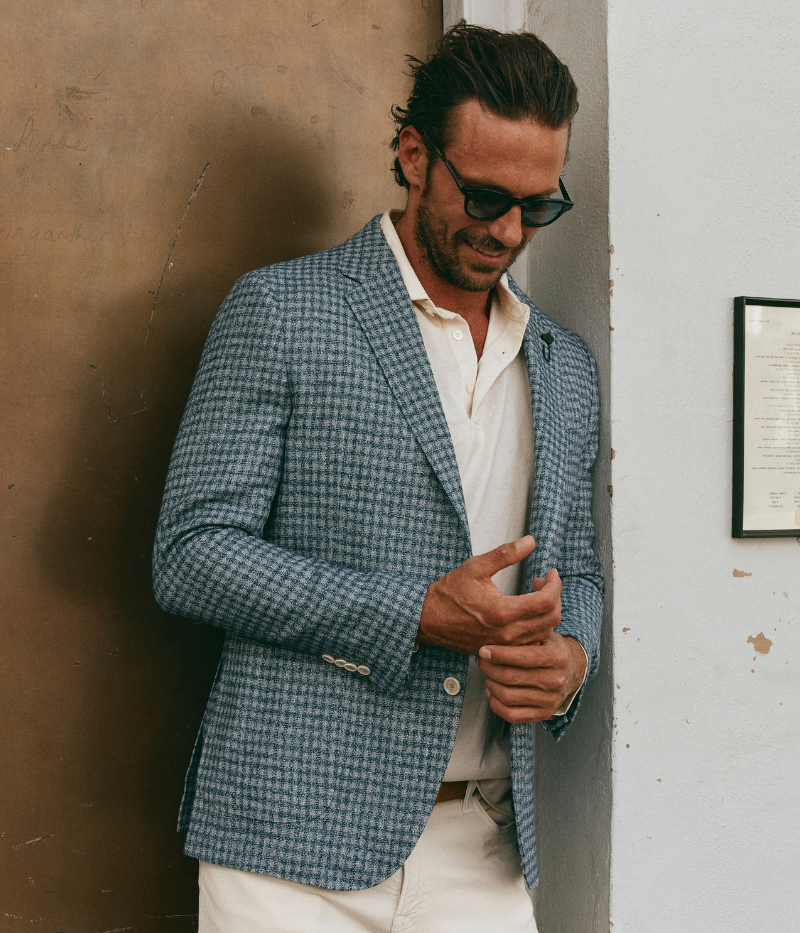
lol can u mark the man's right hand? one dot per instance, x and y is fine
(464, 610)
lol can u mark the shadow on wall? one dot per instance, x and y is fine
(246, 205)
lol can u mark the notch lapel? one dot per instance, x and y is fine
(381, 305)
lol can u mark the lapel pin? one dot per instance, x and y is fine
(548, 339)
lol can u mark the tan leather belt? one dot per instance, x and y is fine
(452, 790)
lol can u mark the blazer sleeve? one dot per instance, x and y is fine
(579, 568)
(210, 560)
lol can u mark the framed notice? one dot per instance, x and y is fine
(766, 418)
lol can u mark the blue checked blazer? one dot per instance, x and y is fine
(312, 496)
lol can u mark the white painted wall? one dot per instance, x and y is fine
(704, 205)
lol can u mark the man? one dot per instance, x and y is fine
(373, 434)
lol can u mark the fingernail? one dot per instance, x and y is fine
(485, 653)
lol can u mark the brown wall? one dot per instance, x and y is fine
(150, 153)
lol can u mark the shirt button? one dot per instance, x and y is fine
(350, 667)
(340, 662)
(452, 686)
(328, 657)
(457, 335)
(363, 669)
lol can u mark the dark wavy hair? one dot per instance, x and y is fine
(513, 75)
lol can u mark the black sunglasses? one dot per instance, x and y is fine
(488, 204)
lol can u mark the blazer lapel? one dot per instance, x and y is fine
(380, 302)
(551, 448)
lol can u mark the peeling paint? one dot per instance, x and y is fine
(741, 573)
(760, 643)
(32, 842)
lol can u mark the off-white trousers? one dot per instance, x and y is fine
(463, 876)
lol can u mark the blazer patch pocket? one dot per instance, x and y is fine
(271, 749)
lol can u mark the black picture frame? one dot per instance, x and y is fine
(741, 525)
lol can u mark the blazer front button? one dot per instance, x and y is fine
(340, 662)
(452, 686)
(328, 657)
(363, 669)
(350, 667)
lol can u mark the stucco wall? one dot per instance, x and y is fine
(705, 191)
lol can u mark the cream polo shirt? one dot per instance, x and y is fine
(487, 404)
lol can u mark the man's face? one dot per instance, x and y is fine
(518, 157)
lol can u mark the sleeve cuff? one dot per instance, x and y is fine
(564, 708)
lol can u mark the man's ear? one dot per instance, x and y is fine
(413, 155)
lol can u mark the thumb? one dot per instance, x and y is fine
(488, 564)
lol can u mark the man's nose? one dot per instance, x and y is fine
(508, 229)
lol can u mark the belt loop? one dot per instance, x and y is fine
(467, 804)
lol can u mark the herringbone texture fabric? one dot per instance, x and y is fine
(312, 497)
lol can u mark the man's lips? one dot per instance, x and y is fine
(490, 256)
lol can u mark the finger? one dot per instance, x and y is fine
(517, 714)
(552, 578)
(524, 696)
(491, 657)
(488, 564)
(544, 603)
(532, 688)
(538, 584)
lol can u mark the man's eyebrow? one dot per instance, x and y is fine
(542, 194)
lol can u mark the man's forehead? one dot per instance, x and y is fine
(481, 143)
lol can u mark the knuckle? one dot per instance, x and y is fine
(502, 616)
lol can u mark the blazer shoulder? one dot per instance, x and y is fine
(317, 281)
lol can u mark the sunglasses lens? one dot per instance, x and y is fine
(541, 213)
(486, 205)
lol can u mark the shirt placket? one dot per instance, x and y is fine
(459, 339)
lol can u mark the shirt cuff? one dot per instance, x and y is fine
(564, 708)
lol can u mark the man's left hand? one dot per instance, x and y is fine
(528, 683)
